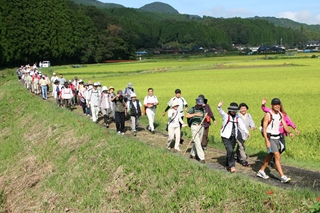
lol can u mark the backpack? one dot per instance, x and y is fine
(189, 120)
(229, 121)
(270, 120)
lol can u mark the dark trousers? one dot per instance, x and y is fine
(204, 141)
(120, 119)
(105, 119)
(84, 107)
(229, 144)
(282, 140)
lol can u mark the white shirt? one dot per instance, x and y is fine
(182, 102)
(176, 118)
(150, 99)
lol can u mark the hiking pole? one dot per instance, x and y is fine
(196, 133)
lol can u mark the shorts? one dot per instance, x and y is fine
(274, 145)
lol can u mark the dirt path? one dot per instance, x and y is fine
(215, 159)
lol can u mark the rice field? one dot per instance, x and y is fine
(295, 80)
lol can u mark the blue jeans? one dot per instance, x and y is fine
(44, 91)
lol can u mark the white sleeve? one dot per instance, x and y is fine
(145, 101)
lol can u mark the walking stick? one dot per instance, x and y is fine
(195, 134)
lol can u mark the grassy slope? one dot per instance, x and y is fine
(53, 160)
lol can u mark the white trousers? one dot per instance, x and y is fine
(134, 123)
(197, 133)
(94, 112)
(151, 113)
(174, 132)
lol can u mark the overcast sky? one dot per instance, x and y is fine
(297, 10)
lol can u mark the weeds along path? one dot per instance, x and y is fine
(215, 159)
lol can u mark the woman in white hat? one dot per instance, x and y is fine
(53, 79)
(105, 103)
(174, 126)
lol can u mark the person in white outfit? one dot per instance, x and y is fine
(94, 97)
(174, 122)
(150, 103)
(105, 105)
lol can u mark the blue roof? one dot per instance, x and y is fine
(141, 52)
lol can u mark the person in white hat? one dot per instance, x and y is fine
(174, 122)
(128, 91)
(150, 103)
(135, 111)
(53, 79)
(93, 98)
(105, 103)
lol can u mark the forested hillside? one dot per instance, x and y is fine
(159, 7)
(65, 32)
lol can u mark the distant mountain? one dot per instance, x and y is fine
(311, 31)
(98, 4)
(159, 7)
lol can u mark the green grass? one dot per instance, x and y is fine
(53, 160)
(235, 78)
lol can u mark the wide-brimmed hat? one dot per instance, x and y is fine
(204, 99)
(199, 101)
(95, 84)
(99, 84)
(90, 82)
(80, 81)
(133, 95)
(130, 85)
(85, 84)
(70, 81)
(175, 103)
(243, 104)
(75, 77)
(104, 88)
(111, 87)
(275, 101)
(54, 73)
(233, 107)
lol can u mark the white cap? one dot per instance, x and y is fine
(80, 80)
(175, 103)
(104, 88)
(54, 73)
(133, 95)
(95, 84)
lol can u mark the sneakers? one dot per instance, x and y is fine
(262, 174)
(152, 131)
(122, 133)
(285, 179)
(119, 133)
(204, 148)
(176, 150)
(134, 133)
(245, 163)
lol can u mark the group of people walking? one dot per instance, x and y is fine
(116, 106)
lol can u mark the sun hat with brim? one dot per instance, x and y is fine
(80, 81)
(54, 73)
(242, 105)
(95, 84)
(90, 82)
(111, 87)
(86, 84)
(104, 88)
(130, 85)
(175, 103)
(99, 84)
(199, 101)
(204, 99)
(233, 107)
(275, 101)
(133, 95)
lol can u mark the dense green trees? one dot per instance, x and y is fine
(65, 32)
